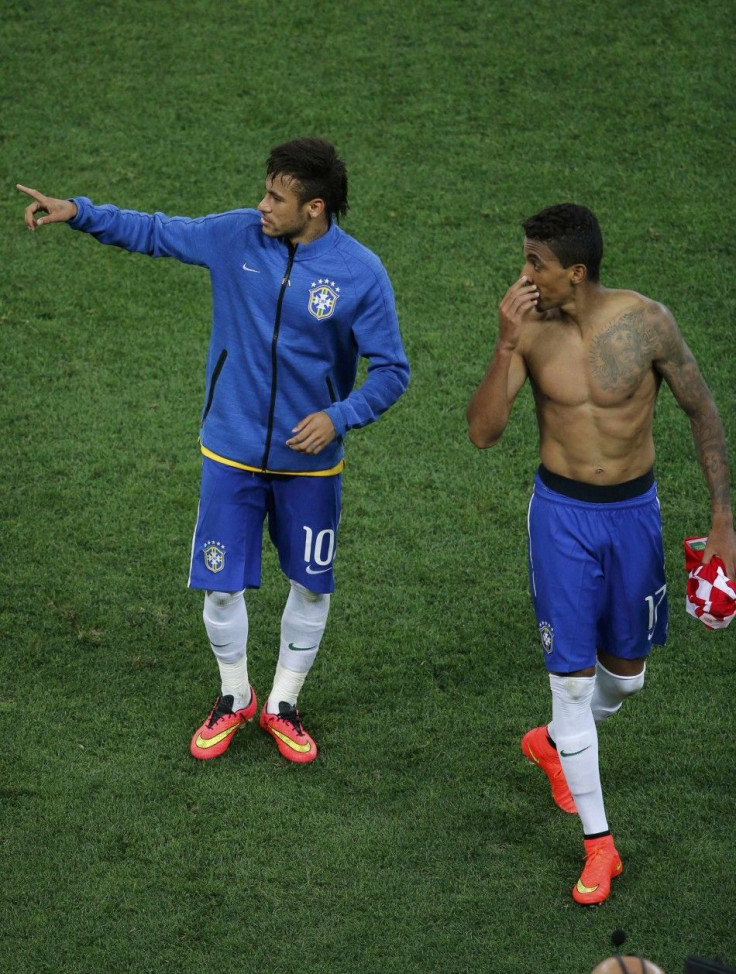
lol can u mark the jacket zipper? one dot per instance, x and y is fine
(274, 358)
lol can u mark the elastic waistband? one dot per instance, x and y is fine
(596, 493)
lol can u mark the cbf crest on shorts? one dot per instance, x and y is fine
(547, 635)
(214, 555)
(323, 296)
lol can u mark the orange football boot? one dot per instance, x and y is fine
(287, 730)
(537, 749)
(602, 863)
(214, 736)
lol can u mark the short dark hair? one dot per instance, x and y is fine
(572, 233)
(317, 168)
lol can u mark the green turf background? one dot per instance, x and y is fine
(421, 840)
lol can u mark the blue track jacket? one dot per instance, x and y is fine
(289, 325)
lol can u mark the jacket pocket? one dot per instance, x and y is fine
(213, 382)
(333, 399)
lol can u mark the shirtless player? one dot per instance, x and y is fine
(595, 359)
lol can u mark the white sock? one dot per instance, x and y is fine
(611, 690)
(302, 627)
(286, 686)
(576, 738)
(226, 622)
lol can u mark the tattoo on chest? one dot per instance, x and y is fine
(622, 353)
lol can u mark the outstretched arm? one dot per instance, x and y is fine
(56, 211)
(490, 407)
(192, 241)
(681, 373)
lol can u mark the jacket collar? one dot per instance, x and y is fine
(318, 247)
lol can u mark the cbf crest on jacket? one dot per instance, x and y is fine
(289, 326)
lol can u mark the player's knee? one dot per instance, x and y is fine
(219, 607)
(619, 686)
(611, 690)
(221, 600)
(573, 689)
(310, 597)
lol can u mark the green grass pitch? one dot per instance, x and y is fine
(420, 840)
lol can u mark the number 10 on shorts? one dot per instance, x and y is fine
(319, 549)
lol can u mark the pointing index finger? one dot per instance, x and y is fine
(30, 192)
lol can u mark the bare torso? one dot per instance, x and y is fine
(595, 388)
(595, 359)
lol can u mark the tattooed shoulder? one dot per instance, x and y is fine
(624, 350)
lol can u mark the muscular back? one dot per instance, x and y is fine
(595, 383)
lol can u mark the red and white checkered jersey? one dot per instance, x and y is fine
(710, 594)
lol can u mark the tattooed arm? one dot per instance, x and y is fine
(677, 366)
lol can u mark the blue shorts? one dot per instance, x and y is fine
(303, 515)
(596, 570)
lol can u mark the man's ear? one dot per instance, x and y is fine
(578, 273)
(315, 208)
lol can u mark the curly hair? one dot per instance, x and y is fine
(572, 234)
